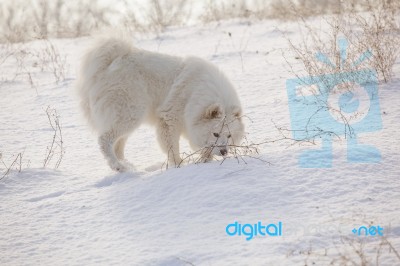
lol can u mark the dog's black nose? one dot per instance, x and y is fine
(223, 152)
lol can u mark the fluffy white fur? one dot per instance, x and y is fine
(121, 87)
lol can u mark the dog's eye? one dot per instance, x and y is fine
(229, 136)
(216, 135)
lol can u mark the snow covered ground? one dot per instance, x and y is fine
(83, 213)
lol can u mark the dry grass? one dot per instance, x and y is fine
(54, 152)
(24, 63)
(369, 40)
(60, 18)
(349, 249)
(49, 59)
(376, 30)
(282, 9)
(155, 17)
(45, 18)
(67, 19)
(259, 10)
(238, 151)
(352, 251)
(220, 10)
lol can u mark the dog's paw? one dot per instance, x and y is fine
(205, 158)
(177, 162)
(121, 166)
(128, 165)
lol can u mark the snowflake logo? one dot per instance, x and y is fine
(344, 103)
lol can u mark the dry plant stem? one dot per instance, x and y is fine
(392, 248)
(242, 46)
(56, 64)
(56, 146)
(185, 261)
(45, 59)
(17, 160)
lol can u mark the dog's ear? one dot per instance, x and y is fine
(213, 111)
(237, 112)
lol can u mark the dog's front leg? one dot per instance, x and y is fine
(168, 137)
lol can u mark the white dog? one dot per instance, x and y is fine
(121, 87)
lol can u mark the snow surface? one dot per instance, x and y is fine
(83, 213)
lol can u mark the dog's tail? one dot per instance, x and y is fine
(93, 66)
(103, 53)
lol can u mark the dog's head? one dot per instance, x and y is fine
(218, 129)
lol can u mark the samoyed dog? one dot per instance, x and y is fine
(121, 87)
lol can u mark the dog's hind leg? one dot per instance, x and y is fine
(107, 143)
(119, 147)
(112, 142)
